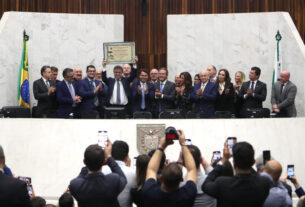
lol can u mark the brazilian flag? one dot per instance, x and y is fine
(24, 85)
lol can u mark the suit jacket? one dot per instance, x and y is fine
(87, 95)
(285, 101)
(97, 189)
(206, 103)
(241, 190)
(65, 100)
(125, 81)
(13, 192)
(225, 102)
(169, 96)
(260, 93)
(137, 98)
(45, 102)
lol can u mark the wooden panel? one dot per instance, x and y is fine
(149, 32)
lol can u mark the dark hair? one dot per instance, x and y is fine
(243, 155)
(163, 158)
(164, 68)
(227, 77)
(118, 67)
(257, 70)
(141, 167)
(120, 150)
(144, 70)
(94, 157)
(187, 80)
(50, 205)
(197, 75)
(89, 66)
(43, 69)
(227, 168)
(54, 69)
(66, 71)
(195, 151)
(38, 201)
(66, 200)
(172, 175)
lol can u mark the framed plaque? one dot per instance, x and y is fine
(119, 52)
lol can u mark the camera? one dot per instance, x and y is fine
(171, 133)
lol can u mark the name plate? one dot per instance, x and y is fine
(119, 52)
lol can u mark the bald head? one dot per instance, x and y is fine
(284, 76)
(212, 70)
(204, 76)
(273, 168)
(154, 74)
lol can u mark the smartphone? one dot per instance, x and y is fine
(135, 161)
(266, 156)
(216, 155)
(290, 171)
(27, 180)
(102, 138)
(30, 190)
(230, 142)
(188, 142)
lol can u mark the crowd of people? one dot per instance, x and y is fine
(142, 90)
(108, 180)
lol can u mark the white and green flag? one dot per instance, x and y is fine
(278, 59)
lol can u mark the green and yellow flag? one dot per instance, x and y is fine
(24, 85)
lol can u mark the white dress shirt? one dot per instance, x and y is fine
(124, 99)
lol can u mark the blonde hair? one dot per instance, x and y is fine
(242, 76)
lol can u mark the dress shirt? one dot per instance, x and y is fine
(144, 85)
(124, 197)
(283, 86)
(250, 87)
(222, 86)
(164, 82)
(113, 99)
(45, 82)
(1, 170)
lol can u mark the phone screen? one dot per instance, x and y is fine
(27, 180)
(290, 171)
(216, 155)
(30, 190)
(188, 142)
(102, 137)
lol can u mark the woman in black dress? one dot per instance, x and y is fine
(225, 95)
(183, 96)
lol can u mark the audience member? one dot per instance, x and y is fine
(67, 97)
(44, 92)
(243, 189)
(225, 95)
(204, 95)
(154, 75)
(165, 93)
(98, 74)
(38, 201)
(212, 73)
(143, 92)
(253, 92)
(120, 153)
(278, 194)
(93, 92)
(196, 79)
(301, 202)
(141, 167)
(283, 96)
(91, 187)
(126, 70)
(183, 97)
(177, 80)
(13, 192)
(54, 74)
(169, 193)
(66, 200)
(161, 166)
(239, 80)
(50, 205)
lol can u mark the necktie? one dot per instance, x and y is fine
(282, 86)
(252, 86)
(48, 84)
(143, 96)
(118, 92)
(161, 86)
(202, 87)
(72, 92)
(92, 87)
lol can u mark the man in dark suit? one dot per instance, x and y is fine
(119, 87)
(143, 92)
(93, 93)
(243, 189)
(252, 92)
(283, 95)
(44, 91)
(54, 74)
(67, 95)
(13, 192)
(204, 95)
(92, 187)
(165, 93)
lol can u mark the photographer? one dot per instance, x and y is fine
(169, 193)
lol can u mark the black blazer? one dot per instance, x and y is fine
(169, 95)
(260, 93)
(13, 192)
(225, 102)
(241, 190)
(45, 102)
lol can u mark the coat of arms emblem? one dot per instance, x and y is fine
(148, 136)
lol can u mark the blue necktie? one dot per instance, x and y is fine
(143, 96)
(118, 92)
(161, 89)
(95, 100)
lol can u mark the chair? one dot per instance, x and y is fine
(171, 114)
(223, 114)
(142, 115)
(194, 115)
(115, 113)
(256, 113)
(90, 115)
(16, 111)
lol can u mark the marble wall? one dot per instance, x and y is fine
(51, 150)
(61, 40)
(236, 42)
